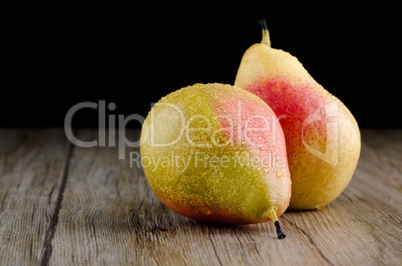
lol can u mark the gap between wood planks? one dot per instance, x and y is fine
(47, 248)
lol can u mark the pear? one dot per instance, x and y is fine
(216, 153)
(322, 136)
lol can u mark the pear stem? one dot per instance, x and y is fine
(265, 32)
(279, 232)
(271, 213)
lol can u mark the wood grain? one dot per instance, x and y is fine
(108, 215)
(31, 171)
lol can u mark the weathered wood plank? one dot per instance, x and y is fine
(363, 226)
(110, 215)
(31, 169)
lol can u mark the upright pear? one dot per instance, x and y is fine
(322, 136)
(216, 153)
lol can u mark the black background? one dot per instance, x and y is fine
(58, 56)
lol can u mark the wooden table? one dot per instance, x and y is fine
(63, 204)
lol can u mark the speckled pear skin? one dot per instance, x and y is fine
(322, 136)
(224, 172)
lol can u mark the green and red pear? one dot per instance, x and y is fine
(322, 136)
(216, 153)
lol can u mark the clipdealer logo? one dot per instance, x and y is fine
(327, 114)
(107, 136)
(122, 141)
